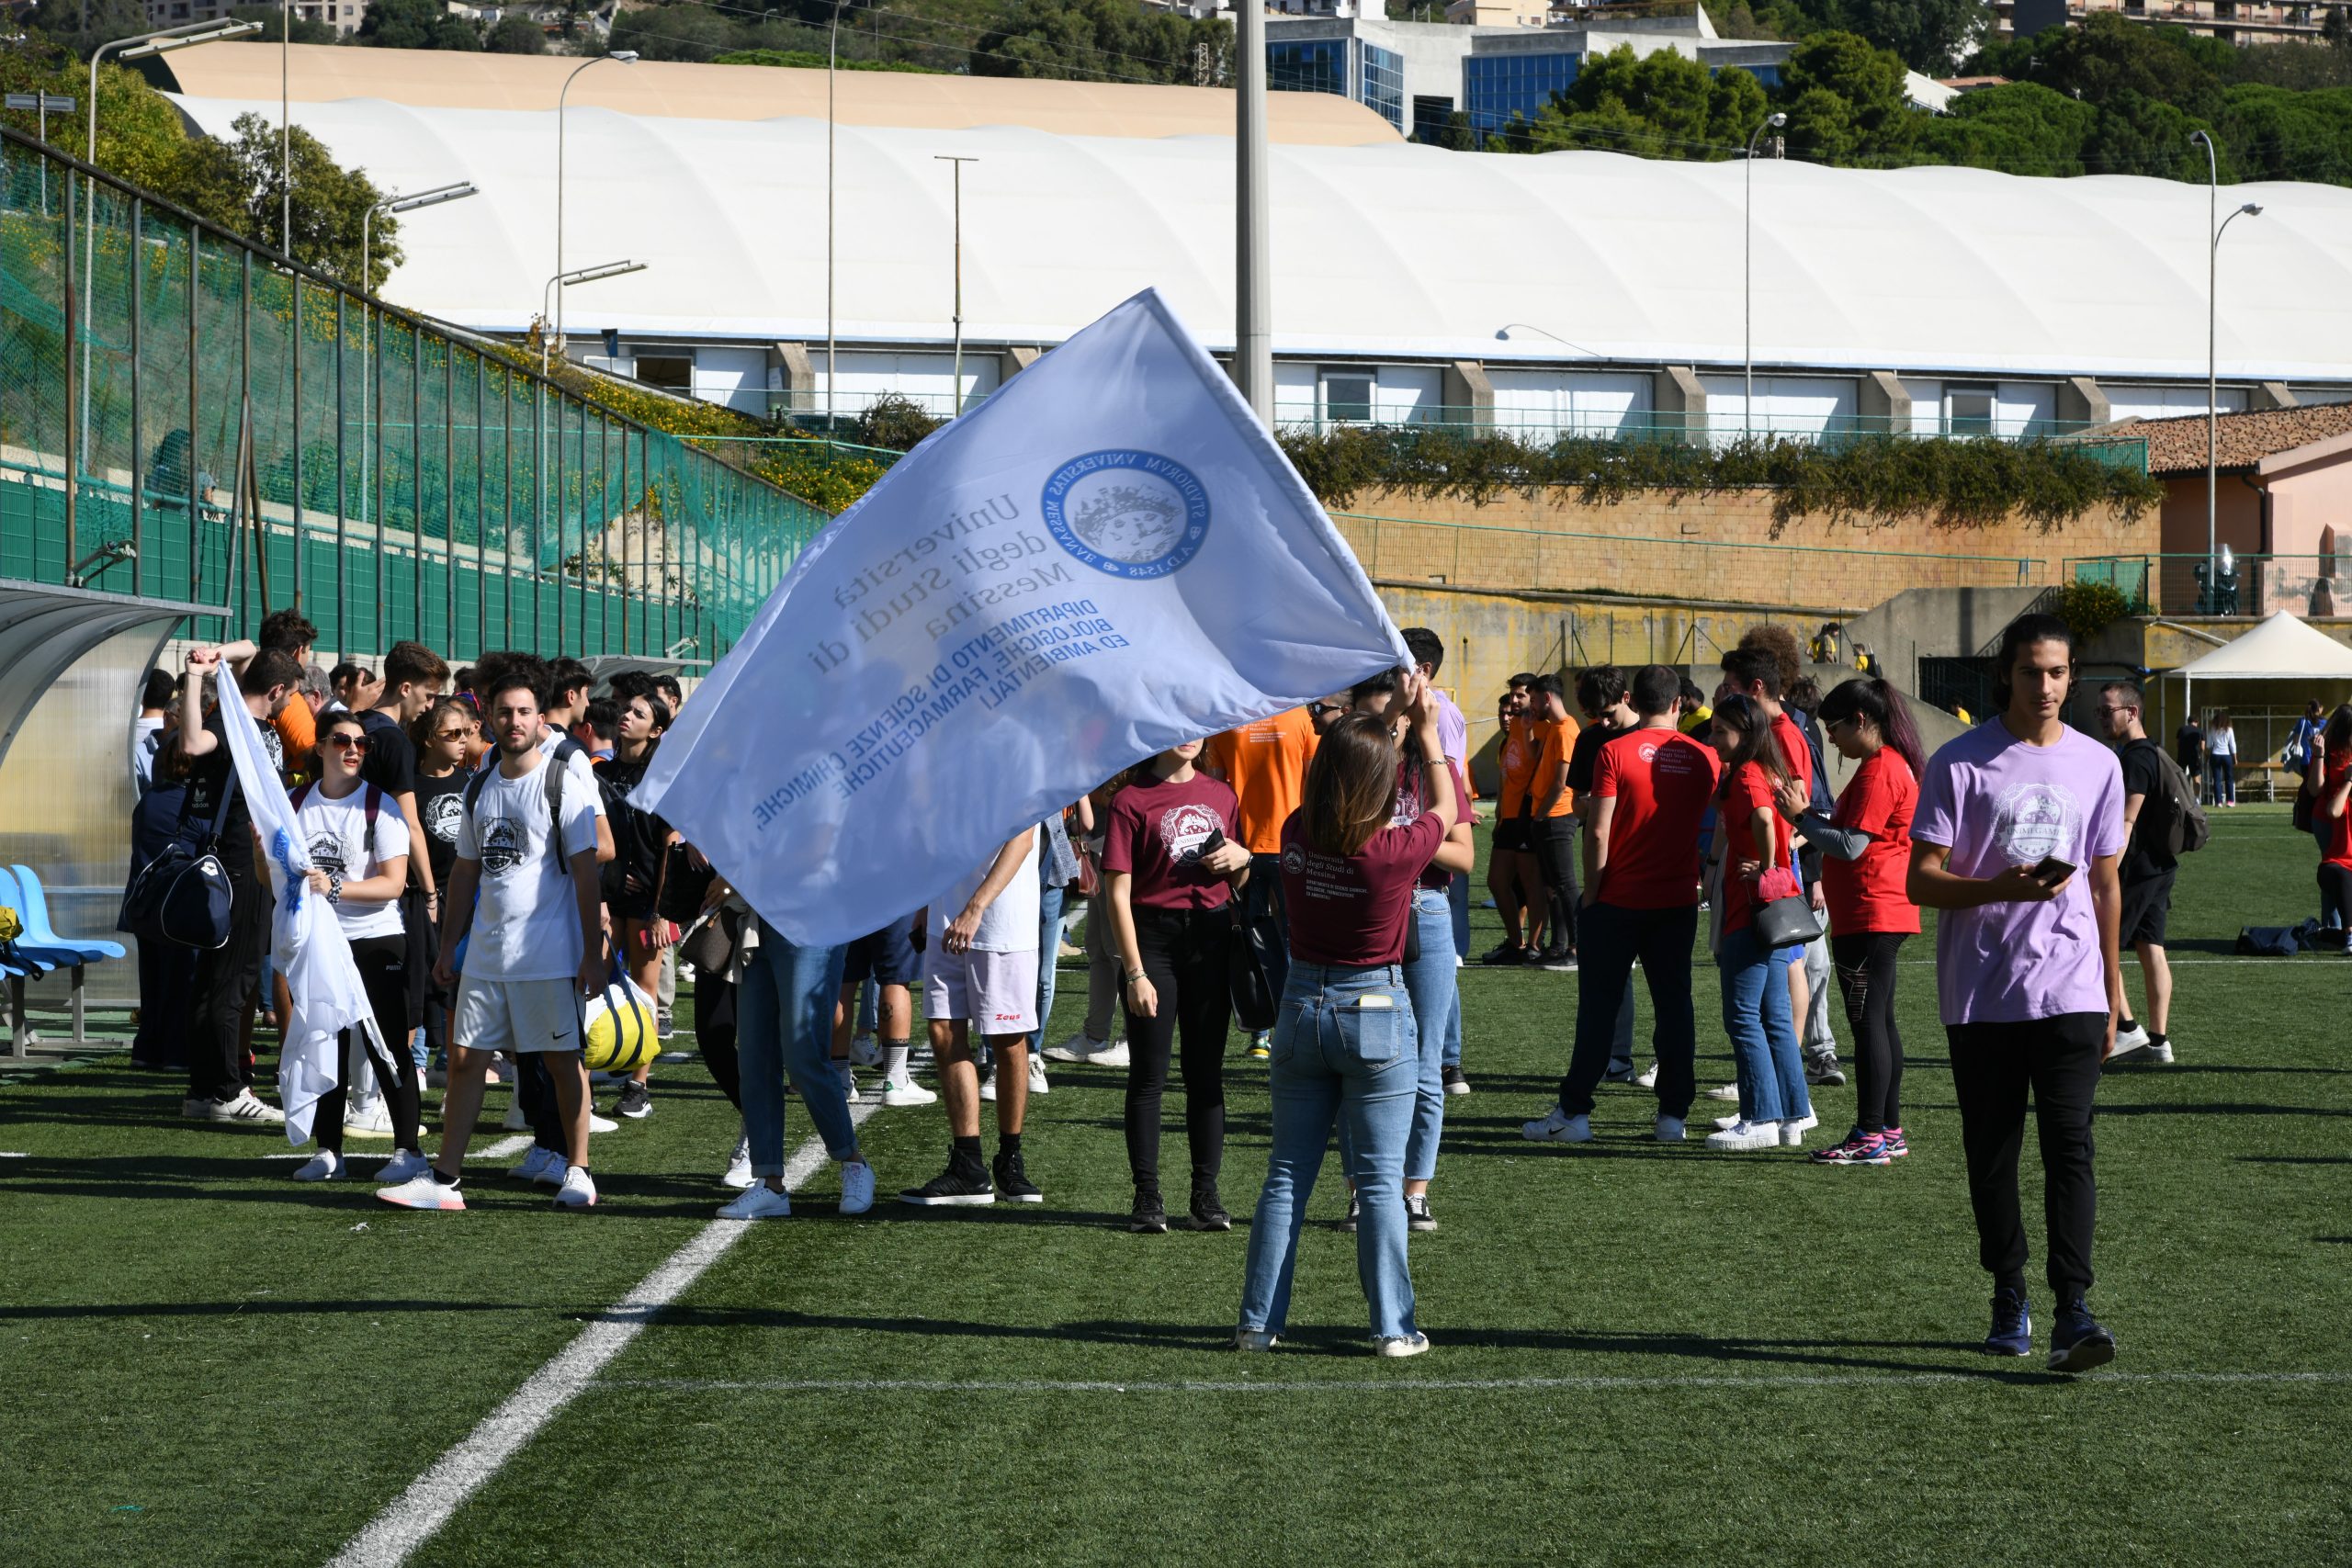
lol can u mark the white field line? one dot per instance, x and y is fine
(411, 1518)
(499, 1150)
(1417, 1385)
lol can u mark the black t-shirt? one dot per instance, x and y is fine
(638, 840)
(209, 778)
(1585, 753)
(2144, 774)
(392, 756)
(2188, 747)
(439, 804)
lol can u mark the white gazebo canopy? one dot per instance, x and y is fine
(2283, 648)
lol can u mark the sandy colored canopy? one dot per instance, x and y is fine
(442, 79)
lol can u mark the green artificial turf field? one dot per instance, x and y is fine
(1643, 1354)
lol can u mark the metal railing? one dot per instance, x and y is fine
(186, 416)
(2179, 582)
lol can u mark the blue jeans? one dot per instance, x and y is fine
(1763, 1035)
(1050, 947)
(1611, 937)
(1457, 895)
(784, 1013)
(1262, 898)
(1338, 1061)
(1437, 1011)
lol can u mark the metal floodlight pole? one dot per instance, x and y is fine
(956, 163)
(138, 46)
(566, 279)
(1253, 345)
(833, 61)
(627, 57)
(286, 126)
(2212, 360)
(1748, 270)
(41, 103)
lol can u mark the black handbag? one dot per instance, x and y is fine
(1250, 967)
(183, 894)
(1787, 922)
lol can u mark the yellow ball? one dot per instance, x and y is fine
(620, 1039)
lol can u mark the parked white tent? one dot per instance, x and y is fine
(2283, 648)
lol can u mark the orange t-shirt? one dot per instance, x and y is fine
(297, 732)
(1266, 764)
(1557, 739)
(1520, 749)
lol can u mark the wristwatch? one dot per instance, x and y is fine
(335, 888)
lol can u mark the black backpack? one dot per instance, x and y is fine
(2171, 811)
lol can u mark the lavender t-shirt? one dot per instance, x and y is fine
(1995, 802)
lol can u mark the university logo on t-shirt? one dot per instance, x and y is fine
(1184, 828)
(2033, 819)
(442, 814)
(326, 853)
(503, 843)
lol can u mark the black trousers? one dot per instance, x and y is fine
(1995, 1068)
(1183, 954)
(1555, 839)
(1613, 938)
(715, 1032)
(1865, 962)
(2335, 895)
(223, 988)
(383, 970)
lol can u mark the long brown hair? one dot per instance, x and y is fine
(1758, 744)
(421, 729)
(1351, 786)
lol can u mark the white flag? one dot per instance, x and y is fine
(307, 940)
(1108, 556)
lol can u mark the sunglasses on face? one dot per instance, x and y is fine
(451, 734)
(1317, 710)
(345, 742)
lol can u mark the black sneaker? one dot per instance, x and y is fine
(1417, 1213)
(1149, 1216)
(1508, 952)
(2079, 1343)
(636, 1101)
(1532, 957)
(1455, 1082)
(2012, 1332)
(1559, 959)
(1013, 1181)
(959, 1186)
(1208, 1209)
(1355, 1208)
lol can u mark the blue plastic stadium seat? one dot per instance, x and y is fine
(29, 947)
(34, 910)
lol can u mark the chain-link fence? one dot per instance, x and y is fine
(184, 416)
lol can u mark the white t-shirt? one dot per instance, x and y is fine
(526, 925)
(335, 834)
(1009, 925)
(584, 771)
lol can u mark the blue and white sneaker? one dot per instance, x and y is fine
(2012, 1326)
(2079, 1342)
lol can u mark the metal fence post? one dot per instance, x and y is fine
(342, 490)
(137, 271)
(74, 329)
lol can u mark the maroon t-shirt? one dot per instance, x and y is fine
(1352, 912)
(1155, 833)
(1408, 811)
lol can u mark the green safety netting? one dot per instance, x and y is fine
(409, 483)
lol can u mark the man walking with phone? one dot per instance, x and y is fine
(2147, 872)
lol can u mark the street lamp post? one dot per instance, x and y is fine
(832, 60)
(2214, 232)
(1747, 271)
(627, 57)
(1253, 335)
(41, 103)
(564, 280)
(956, 163)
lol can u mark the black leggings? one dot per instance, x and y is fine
(2335, 893)
(383, 970)
(715, 1032)
(1556, 852)
(1184, 955)
(1866, 976)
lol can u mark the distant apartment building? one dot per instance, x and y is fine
(343, 16)
(2237, 21)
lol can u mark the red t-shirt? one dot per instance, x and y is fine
(1408, 811)
(1798, 755)
(1155, 835)
(2339, 830)
(1663, 783)
(1867, 894)
(1352, 912)
(1752, 789)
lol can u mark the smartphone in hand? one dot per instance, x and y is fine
(2050, 871)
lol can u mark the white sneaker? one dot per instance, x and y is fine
(1803, 1124)
(578, 1190)
(988, 1084)
(1725, 1123)
(321, 1166)
(759, 1201)
(739, 1167)
(857, 1187)
(373, 1120)
(849, 1081)
(424, 1192)
(241, 1107)
(1556, 1126)
(1647, 1080)
(907, 1093)
(1080, 1047)
(542, 1166)
(598, 1124)
(405, 1165)
(1036, 1073)
(1254, 1339)
(516, 1120)
(1746, 1135)
(1726, 1091)
(866, 1051)
(1402, 1345)
(2132, 1039)
(1670, 1130)
(1792, 1132)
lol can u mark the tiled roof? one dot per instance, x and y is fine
(2178, 446)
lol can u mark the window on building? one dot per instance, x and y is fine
(1969, 410)
(1381, 74)
(1497, 87)
(1431, 117)
(671, 372)
(1309, 65)
(1347, 396)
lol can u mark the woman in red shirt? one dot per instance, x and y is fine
(1169, 871)
(1775, 1109)
(2332, 814)
(1866, 854)
(1346, 1043)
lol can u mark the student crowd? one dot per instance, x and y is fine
(483, 857)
